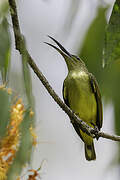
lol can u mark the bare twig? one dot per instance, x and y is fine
(20, 46)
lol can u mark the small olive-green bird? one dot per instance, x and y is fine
(82, 95)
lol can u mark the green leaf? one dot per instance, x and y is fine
(92, 48)
(112, 36)
(4, 49)
(3, 8)
(27, 81)
(5, 106)
(27, 76)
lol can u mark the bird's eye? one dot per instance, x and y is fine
(77, 58)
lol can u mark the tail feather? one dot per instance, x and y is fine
(90, 152)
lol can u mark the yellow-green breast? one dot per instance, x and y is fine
(81, 99)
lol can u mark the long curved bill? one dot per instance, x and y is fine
(62, 50)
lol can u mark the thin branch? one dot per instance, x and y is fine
(20, 46)
(108, 136)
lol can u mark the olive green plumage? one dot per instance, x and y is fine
(81, 94)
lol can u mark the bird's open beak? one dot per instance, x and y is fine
(62, 50)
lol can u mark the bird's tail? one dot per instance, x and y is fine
(90, 152)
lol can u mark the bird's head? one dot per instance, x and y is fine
(72, 61)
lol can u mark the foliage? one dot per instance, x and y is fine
(5, 105)
(112, 36)
(112, 58)
(91, 51)
(101, 52)
(17, 136)
(4, 42)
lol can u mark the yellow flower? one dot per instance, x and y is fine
(10, 143)
(32, 131)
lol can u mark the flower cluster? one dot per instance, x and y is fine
(10, 143)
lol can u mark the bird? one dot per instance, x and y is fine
(82, 95)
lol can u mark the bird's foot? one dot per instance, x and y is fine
(96, 130)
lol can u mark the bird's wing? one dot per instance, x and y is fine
(96, 91)
(65, 94)
(66, 100)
